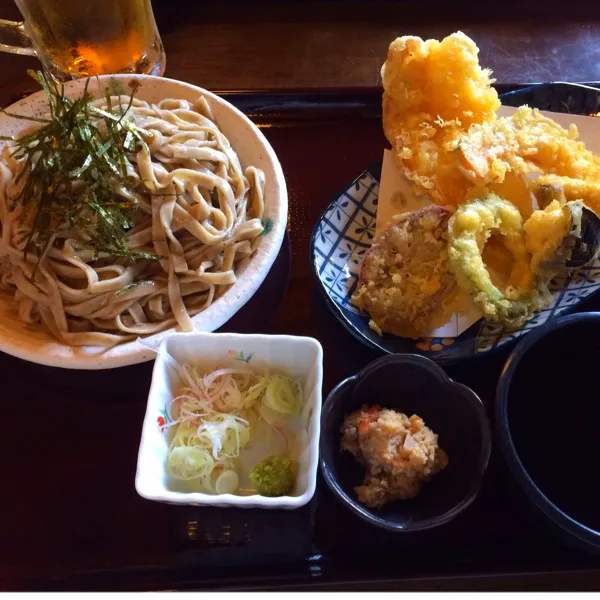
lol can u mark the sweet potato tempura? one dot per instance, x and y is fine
(433, 92)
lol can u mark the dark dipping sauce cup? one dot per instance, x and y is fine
(548, 424)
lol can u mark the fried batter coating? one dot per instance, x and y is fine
(433, 92)
(538, 247)
(439, 114)
(405, 282)
(574, 189)
(526, 142)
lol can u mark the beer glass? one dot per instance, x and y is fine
(82, 38)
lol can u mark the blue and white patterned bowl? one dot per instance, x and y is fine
(346, 229)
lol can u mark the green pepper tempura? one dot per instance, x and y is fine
(274, 476)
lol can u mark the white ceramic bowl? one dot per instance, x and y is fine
(300, 357)
(35, 345)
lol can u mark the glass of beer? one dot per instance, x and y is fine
(83, 38)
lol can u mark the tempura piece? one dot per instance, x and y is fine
(439, 115)
(433, 92)
(405, 283)
(527, 142)
(539, 248)
(574, 189)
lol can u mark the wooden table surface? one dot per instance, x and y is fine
(71, 517)
(257, 45)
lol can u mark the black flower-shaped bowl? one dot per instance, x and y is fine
(410, 384)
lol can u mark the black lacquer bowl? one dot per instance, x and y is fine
(547, 422)
(410, 384)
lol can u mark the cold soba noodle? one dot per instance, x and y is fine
(195, 217)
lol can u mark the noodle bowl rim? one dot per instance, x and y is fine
(35, 345)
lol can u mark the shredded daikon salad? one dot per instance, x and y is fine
(223, 421)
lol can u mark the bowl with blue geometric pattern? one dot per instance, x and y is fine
(346, 230)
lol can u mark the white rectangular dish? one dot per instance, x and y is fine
(299, 357)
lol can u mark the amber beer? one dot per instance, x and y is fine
(80, 38)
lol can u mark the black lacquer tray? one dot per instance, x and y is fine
(71, 518)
